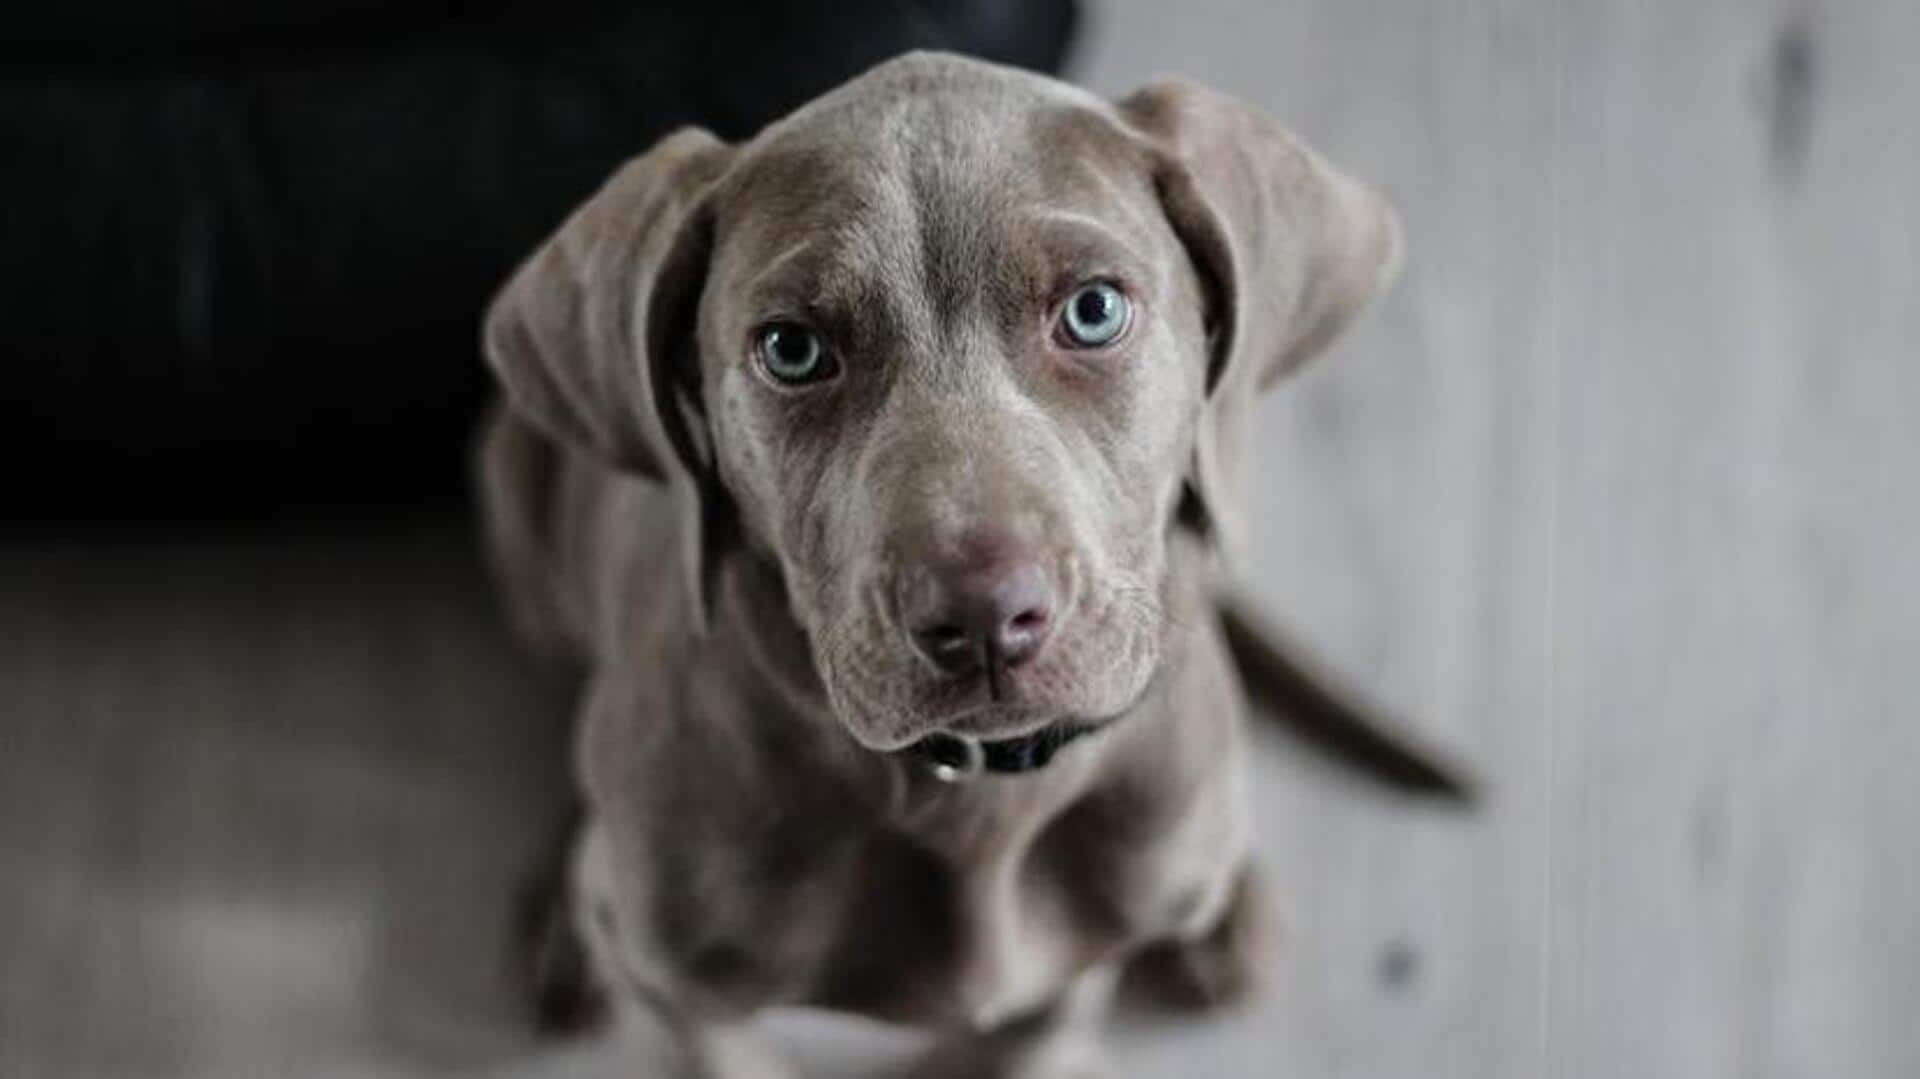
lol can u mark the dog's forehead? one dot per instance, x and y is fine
(930, 160)
(926, 110)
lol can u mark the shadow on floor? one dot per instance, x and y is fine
(264, 802)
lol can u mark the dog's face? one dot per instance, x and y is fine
(953, 347)
(954, 359)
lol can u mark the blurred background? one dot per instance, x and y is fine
(1616, 494)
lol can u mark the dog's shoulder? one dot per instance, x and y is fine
(742, 834)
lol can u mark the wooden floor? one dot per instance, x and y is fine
(1619, 493)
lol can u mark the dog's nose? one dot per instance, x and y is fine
(988, 614)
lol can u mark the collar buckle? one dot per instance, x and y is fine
(953, 758)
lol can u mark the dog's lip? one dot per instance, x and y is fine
(966, 706)
(998, 720)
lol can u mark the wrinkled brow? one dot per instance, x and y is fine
(813, 276)
(1039, 253)
(1077, 243)
(787, 276)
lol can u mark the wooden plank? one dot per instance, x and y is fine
(1738, 453)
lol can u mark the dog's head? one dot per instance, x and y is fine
(956, 348)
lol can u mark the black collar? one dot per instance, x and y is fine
(954, 758)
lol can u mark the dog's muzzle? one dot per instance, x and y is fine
(955, 758)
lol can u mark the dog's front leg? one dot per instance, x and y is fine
(677, 1042)
(1059, 1041)
(1217, 966)
(704, 1049)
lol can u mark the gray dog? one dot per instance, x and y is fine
(874, 468)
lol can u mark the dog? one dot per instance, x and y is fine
(876, 469)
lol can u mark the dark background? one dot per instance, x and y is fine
(248, 242)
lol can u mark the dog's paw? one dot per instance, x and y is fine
(566, 998)
(551, 966)
(1225, 967)
(988, 1059)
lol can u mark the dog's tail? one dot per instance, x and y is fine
(1332, 718)
(517, 478)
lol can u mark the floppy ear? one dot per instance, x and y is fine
(1287, 248)
(593, 335)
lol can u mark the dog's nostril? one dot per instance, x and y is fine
(952, 648)
(1020, 637)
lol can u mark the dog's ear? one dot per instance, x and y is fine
(593, 337)
(1288, 251)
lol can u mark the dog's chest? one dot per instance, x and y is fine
(775, 877)
(972, 915)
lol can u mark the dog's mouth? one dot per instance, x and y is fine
(956, 758)
(1010, 721)
(954, 754)
(984, 706)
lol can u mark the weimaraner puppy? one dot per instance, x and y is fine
(874, 467)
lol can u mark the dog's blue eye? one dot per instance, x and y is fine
(792, 353)
(1095, 315)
